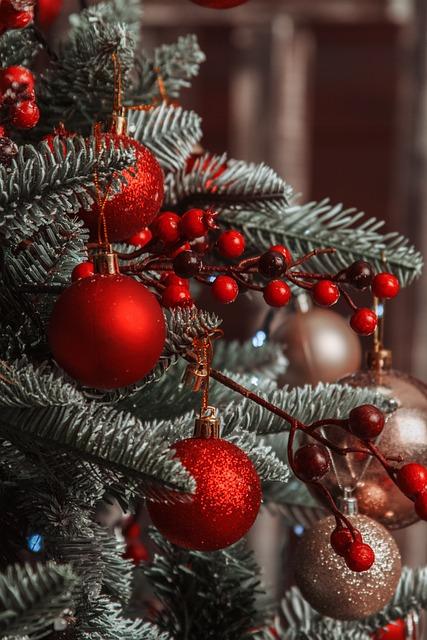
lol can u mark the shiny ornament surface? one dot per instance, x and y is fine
(107, 331)
(225, 504)
(319, 344)
(219, 4)
(139, 200)
(330, 587)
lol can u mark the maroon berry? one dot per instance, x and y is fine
(359, 557)
(171, 278)
(326, 293)
(8, 150)
(167, 227)
(412, 479)
(277, 293)
(24, 114)
(312, 462)
(176, 296)
(366, 421)
(271, 264)
(284, 251)
(364, 321)
(225, 289)
(421, 505)
(193, 224)
(341, 539)
(231, 244)
(385, 285)
(187, 264)
(82, 270)
(141, 238)
(16, 78)
(360, 274)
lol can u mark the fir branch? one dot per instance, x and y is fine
(169, 132)
(117, 571)
(266, 462)
(18, 47)
(32, 598)
(127, 12)
(266, 361)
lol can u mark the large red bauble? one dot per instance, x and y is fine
(219, 4)
(107, 331)
(139, 199)
(225, 504)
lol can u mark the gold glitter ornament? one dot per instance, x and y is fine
(330, 587)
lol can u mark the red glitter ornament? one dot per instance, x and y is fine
(107, 331)
(226, 501)
(139, 199)
(219, 4)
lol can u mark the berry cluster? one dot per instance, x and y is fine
(18, 107)
(16, 14)
(358, 555)
(412, 481)
(135, 549)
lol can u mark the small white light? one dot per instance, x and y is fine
(259, 339)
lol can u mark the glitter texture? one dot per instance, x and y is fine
(331, 587)
(226, 502)
(139, 200)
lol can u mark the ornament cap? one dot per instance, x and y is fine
(347, 503)
(207, 425)
(106, 262)
(119, 123)
(379, 360)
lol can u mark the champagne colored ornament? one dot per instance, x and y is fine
(319, 344)
(219, 4)
(330, 587)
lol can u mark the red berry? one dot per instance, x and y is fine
(132, 530)
(284, 251)
(193, 224)
(167, 227)
(326, 293)
(14, 19)
(364, 321)
(412, 479)
(231, 244)
(341, 539)
(366, 421)
(277, 293)
(25, 114)
(312, 462)
(169, 278)
(421, 505)
(385, 285)
(359, 556)
(14, 77)
(394, 631)
(225, 289)
(82, 270)
(176, 296)
(141, 238)
(183, 247)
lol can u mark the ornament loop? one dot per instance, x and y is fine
(207, 425)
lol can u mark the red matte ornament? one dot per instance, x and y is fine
(225, 504)
(139, 200)
(107, 331)
(219, 4)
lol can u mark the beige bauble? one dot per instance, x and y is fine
(330, 587)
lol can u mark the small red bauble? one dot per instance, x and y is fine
(412, 479)
(226, 501)
(25, 114)
(341, 539)
(421, 505)
(326, 293)
(394, 631)
(312, 462)
(225, 289)
(366, 421)
(141, 238)
(139, 200)
(364, 321)
(13, 18)
(277, 293)
(169, 278)
(385, 285)
(82, 270)
(15, 77)
(284, 251)
(167, 227)
(193, 224)
(231, 244)
(359, 556)
(47, 12)
(107, 331)
(176, 296)
(219, 4)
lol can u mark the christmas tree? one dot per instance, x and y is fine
(109, 207)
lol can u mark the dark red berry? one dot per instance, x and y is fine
(341, 539)
(326, 293)
(141, 238)
(225, 289)
(271, 264)
(364, 321)
(176, 296)
(412, 479)
(167, 227)
(8, 150)
(82, 270)
(366, 421)
(421, 505)
(312, 462)
(360, 274)
(385, 285)
(193, 224)
(25, 114)
(16, 77)
(172, 278)
(187, 264)
(284, 251)
(359, 557)
(277, 293)
(231, 244)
